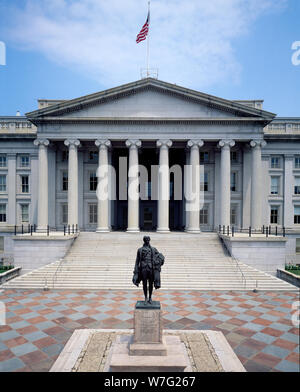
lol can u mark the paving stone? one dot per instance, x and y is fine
(290, 337)
(23, 349)
(287, 366)
(264, 338)
(35, 336)
(11, 365)
(276, 351)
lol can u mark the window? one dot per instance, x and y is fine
(24, 161)
(2, 212)
(275, 162)
(204, 157)
(297, 186)
(65, 181)
(297, 245)
(233, 216)
(274, 215)
(274, 185)
(25, 184)
(233, 156)
(148, 189)
(297, 215)
(204, 216)
(25, 213)
(297, 162)
(2, 183)
(3, 161)
(205, 188)
(92, 213)
(1, 244)
(93, 155)
(64, 214)
(93, 182)
(65, 156)
(233, 182)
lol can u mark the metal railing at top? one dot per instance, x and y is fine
(268, 231)
(31, 229)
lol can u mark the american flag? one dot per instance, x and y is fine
(145, 30)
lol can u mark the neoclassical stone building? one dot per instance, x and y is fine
(49, 161)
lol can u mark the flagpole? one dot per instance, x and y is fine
(148, 39)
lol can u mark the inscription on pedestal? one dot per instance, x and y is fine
(147, 326)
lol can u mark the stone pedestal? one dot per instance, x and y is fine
(148, 330)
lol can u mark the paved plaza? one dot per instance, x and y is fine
(258, 326)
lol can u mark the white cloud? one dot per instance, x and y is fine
(192, 41)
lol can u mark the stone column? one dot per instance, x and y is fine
(163, 186)
(11, 188)
(43, 183)
(103, 186)
(288, 216)
(133, 186)
(193, 195)
(73, 145)
(225, 198)
(256, 184)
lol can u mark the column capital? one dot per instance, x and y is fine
(41, 142)
(258, 143)
(195, 143)
(130, 143)
(100, 143)
(72, 143)
(226, 143)
(164, 143)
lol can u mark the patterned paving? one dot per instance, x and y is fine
(258, 326)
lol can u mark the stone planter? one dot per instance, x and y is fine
(289, 277)
(10, 274)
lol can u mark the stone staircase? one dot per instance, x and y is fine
(106, 261)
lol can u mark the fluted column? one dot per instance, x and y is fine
(103, 186)
(163, 186)
(193, 190)
(225, 196)
(256, 184)
(43, 183)
(133, 186)
(73, 145)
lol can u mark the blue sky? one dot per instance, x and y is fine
(234, 49)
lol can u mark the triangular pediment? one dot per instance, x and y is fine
(148, 99)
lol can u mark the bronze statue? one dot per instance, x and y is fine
(147, 268)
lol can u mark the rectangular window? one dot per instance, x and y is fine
(274, 185)
(2, 212)
(204, 216)
(93, 182)
(204, 157)
(275, 162)
(297, 186)
(65, 181)
(274, 215)
(25, 213)
(233, 182)
(3, 183)
(93, 155)
(64, 214)
(233, 216)
(233, 156)
(92, 213)
(3, 162)
(297, 215)
(25, 184)
(1, 244)
(297, 245)
(205, 188)
(24, 161)
(297, 162)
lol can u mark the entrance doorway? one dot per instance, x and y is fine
(148, 218)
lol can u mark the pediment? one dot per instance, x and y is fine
(148, 99)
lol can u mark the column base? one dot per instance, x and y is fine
(133, 230)
(193, 231)
(163, 230)
(103, 230)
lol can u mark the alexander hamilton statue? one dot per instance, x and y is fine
(147, 268)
